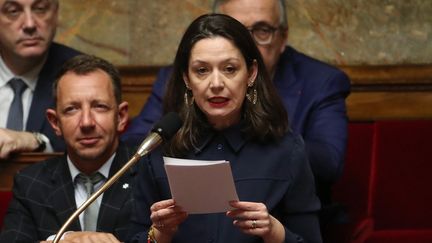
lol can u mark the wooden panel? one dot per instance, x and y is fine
(136, 101)
(373, 106)
(389, 75)
(377, 92)
(9, 167)
(390, 92)
(144, 76)
(137, 85)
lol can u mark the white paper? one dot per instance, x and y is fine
(201, 186)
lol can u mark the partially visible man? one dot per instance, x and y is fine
(29, 61)
(89, 115)
(313, 93)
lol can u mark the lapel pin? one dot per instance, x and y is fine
(125, 186)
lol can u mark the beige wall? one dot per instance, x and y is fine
(350, 32)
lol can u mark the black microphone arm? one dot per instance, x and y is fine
(162, 131)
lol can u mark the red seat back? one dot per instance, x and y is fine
(5, 197)
(352, 189)
(402, 180)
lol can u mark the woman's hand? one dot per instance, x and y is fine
(254, 219)
(166, 217)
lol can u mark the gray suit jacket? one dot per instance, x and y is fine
(43, 199)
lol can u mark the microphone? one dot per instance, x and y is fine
(162, 131)
(166, 128)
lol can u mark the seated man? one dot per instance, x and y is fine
(29, 61)
(313, 93)
(89, 115)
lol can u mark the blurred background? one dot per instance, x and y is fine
(341, 32)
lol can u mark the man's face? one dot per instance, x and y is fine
(88, 116)
(262, 12)
(27, 27)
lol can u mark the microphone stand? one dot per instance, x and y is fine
(152, 141)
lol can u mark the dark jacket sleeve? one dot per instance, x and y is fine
(314, 94)
(325, 132)
(150, 113)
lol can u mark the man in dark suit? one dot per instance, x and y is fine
(313, 92)
(28, 54)
(89, 115)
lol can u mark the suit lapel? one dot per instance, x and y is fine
(63, 195)
(42, 97)
(118, 194)
(41, 101)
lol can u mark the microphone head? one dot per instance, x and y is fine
(168, 125)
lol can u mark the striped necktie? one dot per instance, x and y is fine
(91, 213)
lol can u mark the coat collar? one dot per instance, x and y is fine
(285, 74)
(232, 135)
(119, 193)
(63, 195)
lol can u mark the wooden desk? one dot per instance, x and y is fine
(9, 167)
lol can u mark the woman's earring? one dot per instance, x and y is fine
(186, 99)
(252, 97)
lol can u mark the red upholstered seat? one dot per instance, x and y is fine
(386, 184)
(353, 188)
(402, 193)
(401, 236)
(5, 197)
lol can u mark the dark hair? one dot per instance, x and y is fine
(85, 64)
(264, 121)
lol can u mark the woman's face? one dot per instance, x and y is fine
(218, 78)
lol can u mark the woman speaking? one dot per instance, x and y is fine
(230, 111)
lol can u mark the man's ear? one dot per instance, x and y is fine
(52, 117)
(123, 116)
(284, 34)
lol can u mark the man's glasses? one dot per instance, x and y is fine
(262, 33)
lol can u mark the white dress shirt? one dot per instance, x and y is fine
(6, 94)
(80, 191)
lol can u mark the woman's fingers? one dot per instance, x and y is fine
(165, 215)
(251, 217)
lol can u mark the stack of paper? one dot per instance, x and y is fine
(201, 186)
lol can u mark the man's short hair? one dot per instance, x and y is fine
(85, 64)
(283, 16)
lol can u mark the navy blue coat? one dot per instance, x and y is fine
(276, 174)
